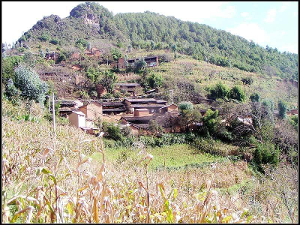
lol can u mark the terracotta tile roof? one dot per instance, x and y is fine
(128, 84)
(140, 99)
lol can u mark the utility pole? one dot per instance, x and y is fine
(49, 105)
(53, 114)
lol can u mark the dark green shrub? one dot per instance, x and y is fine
(62, 57)
(266, 153)
(155, 80)
(114, 132)
(282, 107)
(237, 93)
(294, 121)
(107, 96)
(139, 66)
(247, 80)
(210, 122)
(54, 41)
(108, 79)
(116, 53)
(44, 38)
(8, 66)
(185, 106)
(254, 97)
(81, 42)
(220, 90)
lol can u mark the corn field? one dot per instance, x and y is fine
(52, 179)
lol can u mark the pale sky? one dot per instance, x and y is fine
(266, 23)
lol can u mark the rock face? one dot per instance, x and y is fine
(91, 19)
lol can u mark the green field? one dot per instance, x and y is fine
(169, 157)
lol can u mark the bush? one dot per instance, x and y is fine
(83, 94)
(44, 38)
(237, 93)
(282, 107)
(11, 91)
(8, 67)
(116, 53)
(81, 42)
(155, 80)
(294, 121)
(254, 97)
(266, 153)
(114, 132)
(30, 84)
(62, 57)
(185, 106)
(247, 80)
(107, 96)
(210, 122)
(54, 41)
(219, 91)
(139, 66)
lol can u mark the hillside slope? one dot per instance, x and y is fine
(90, 21)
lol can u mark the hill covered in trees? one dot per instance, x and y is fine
(148, 30)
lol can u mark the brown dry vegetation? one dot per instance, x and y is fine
(51, 179)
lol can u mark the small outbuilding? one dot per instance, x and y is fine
(91, 110)
(169, 108)
(77, 119)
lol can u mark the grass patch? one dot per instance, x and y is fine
(176, 156)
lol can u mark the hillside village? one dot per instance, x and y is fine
(143, 118)
(134, 111)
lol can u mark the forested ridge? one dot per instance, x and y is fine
(150, 30)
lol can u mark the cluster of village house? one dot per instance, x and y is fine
(136, 113)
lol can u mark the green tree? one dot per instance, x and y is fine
(93, 74)
(220, 90)
(189, 117)
(114, 132)
(155, 80)
(237, 93)
(30, 84)
(210, 122)
(116, 53)
(108, 80)
(62, 57)
(81, 42)
(282, 107)
(8, 66)
(41, 53)
(140, 65)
